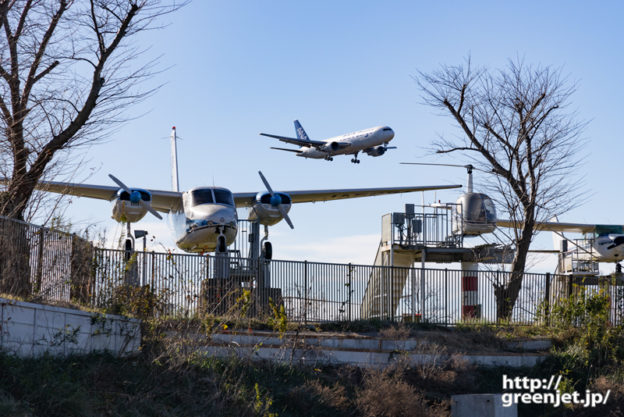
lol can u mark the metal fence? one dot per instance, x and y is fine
(64, 267)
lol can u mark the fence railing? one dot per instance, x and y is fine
(61, 266)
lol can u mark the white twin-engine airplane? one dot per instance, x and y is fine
(204, 219)
(373, 141)
(601, 243)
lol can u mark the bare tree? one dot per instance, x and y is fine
(513, 122)
(68, 73)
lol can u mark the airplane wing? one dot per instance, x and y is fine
(294, 141)
(285, 149)
(164, 201)
(311, 196)
(551, 226)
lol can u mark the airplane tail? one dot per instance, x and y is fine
(175, 183)
(301, 134)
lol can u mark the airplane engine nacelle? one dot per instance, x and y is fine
(331, 147)
(127, 207)
(376, 151)
(266, 208)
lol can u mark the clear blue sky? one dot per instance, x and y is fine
(240, 68)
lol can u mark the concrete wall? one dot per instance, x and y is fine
(28, 329)
(336, 350)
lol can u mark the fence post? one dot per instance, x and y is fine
(153, 272)
(305, 292)
(446, 317)
(349, 290)
(547, 299)
(39, 270)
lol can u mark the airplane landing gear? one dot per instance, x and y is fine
(355, 159)
(267, 248)
(329, 158)
(128, 244)
(618, 268)
(221, 244)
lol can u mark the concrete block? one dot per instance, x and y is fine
(18, 314)
(49, 318)
(17, 332)
(482, 405)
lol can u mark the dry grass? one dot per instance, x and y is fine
(387, 393)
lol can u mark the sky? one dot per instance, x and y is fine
(234, 69)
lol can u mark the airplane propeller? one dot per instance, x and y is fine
(135, 196)
(276, 201)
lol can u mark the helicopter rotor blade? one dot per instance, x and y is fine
(469, 166)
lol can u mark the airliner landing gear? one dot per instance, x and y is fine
(329, 158)
(355, 159)
(618, 268)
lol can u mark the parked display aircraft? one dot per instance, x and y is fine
(601, 242)
(373, 141)
(204, 219)
(475, 214)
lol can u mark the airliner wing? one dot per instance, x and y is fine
(286, 149)
(551, 226)
(164, 201)
(294, 141)
(311, 196)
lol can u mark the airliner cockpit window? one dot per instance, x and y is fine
(203, 196)
(387, 129)
(224, 197)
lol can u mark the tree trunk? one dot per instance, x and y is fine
(507, 292)
(14, 258)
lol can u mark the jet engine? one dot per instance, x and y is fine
(376, 151)
(331, 147)
(269, 208)
(130, 206)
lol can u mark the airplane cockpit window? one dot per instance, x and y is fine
(224, 197)
(202, 196)
(603, 230)
(387, 129)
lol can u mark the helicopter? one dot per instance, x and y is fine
(473, 213)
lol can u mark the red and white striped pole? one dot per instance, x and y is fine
(471, 309)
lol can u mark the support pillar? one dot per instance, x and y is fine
(471, 309)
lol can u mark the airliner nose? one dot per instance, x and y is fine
(388, 132)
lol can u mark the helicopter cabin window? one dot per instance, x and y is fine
(223, 197)
(202, 196)
(480, 209)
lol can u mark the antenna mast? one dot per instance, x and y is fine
(175, 183)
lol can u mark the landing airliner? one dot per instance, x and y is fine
(373, 141)
(204, 219)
